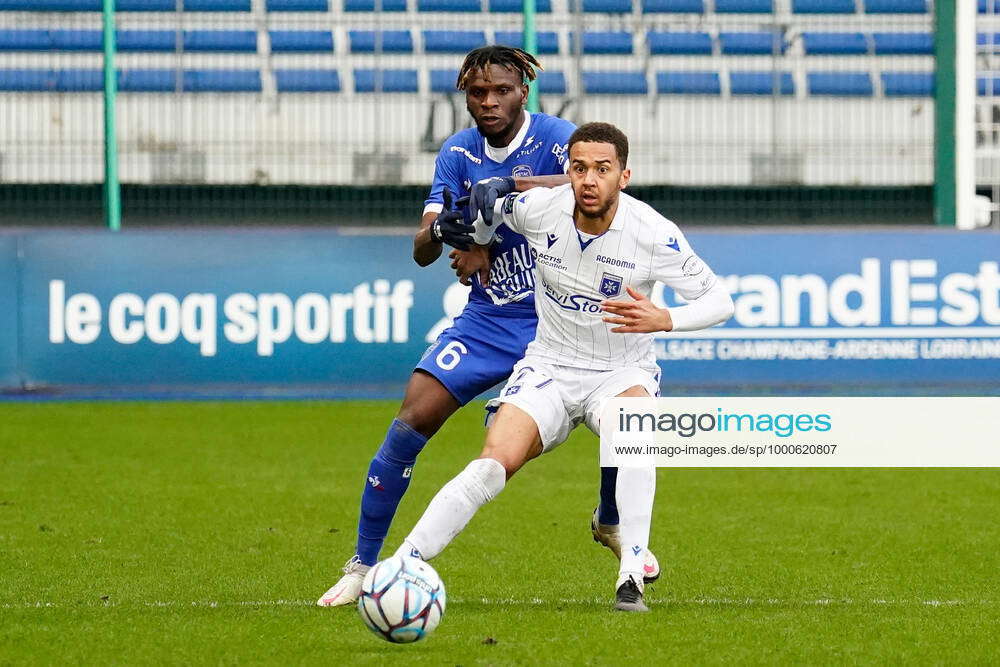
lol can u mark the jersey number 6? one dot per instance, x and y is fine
(452, 353)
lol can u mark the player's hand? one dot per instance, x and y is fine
(638, 316)
(467, 264)
(485, 194)
(452, 226)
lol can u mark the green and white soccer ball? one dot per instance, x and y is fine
(402, 599)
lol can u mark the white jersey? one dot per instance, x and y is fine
(573, 274)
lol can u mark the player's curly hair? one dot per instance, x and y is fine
(504, 56)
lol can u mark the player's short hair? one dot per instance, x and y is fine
(505, 56)
(602, 133)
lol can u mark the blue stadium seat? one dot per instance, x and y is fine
(42, 80)
(750, 43)
(673, 7)
(146, 6)
(393, 41)
(369, 5)
(551, 83)
(547, 42)
(453, 41)
(744, 6)
(222, 81)
(515, 6)
(79, 81)
(298, 5)
(27, 80)
(760, 83)
(988, 86)
(615, 83)
(311, 41)
(988, 42)
(834, 43)
(443, 80)
(688, 83)
(449, 6)
(903, 43)
(48, 6)
(217, 5)
(228, 41)
(386, 80)
(823, 6)
(149, 41)
(307, 80)
(121, 5)
(989, 7)
(895, 6)
(607, 42)
(77, 40)
(608, 6)
(25, 40)
(908, 84)
(856, 84)
(679, 43)
(147, 81)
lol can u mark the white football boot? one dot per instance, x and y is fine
(608, 536)
(348, 589)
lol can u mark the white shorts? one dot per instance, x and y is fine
(559, 398)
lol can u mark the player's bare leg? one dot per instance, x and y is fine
(427, 405)
(634, 495)
(511, 441)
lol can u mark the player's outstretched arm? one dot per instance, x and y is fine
(425, 249)
(642, 316)
(522, 183)
(450, 226)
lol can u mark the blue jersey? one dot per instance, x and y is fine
(462, 162)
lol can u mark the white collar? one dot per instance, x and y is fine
(503, 152)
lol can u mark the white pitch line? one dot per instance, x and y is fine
(718, 602)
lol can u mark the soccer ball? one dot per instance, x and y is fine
(402, 599)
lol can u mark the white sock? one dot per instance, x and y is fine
(634, 496)
(453, 507)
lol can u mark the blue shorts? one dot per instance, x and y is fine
(479, 350)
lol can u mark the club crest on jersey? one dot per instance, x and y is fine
(551, 239)
(672, 242)
(611, 285)
(521, 171)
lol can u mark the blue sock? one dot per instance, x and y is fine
(388, 477)
(608, 510)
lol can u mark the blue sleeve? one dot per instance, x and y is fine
(447, 171)
(562, 130)
(559, 133)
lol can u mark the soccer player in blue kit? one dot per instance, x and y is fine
(509, 150)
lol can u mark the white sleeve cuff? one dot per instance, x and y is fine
(713, 307)
(433, 208)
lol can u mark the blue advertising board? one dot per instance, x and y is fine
(250, 310)
(841, 309)
(9, 307)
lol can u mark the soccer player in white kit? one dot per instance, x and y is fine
(598, 253)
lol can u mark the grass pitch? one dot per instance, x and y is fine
(204, 532)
